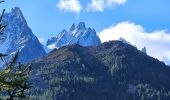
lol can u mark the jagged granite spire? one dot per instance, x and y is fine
(89, 38)
(81, 26)
(144, 50)
(73, 27)
(19, 37)
(51, 41)
(78, 34)
(17, 12)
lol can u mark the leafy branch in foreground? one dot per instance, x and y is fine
(2, 27)
(14, 80)
(2, 1)
(14, 77)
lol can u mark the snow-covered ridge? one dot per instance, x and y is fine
(77, 34)
(19, 37)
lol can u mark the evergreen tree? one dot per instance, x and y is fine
(14, 78)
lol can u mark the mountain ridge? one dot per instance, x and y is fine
(112, 70)
(77, 34)
(19, 37)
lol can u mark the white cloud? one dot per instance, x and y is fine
(96, 5)
(156, 42)
(118, 2)
(69, 5)
(100, 5)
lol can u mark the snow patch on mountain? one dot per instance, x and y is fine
(19, 37)
(76, 35)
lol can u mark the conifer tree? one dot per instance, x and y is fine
(14, 77)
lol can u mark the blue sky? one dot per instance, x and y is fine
(46, 19)
(141, 22)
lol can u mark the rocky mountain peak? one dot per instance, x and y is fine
(81, 25)
(119, 70)
(144, 50)
(17, 14)
(64, 31)
(19, 37)
(89, 29)
(77, 35)
(51, 40)
(16, 10)
(73, 27)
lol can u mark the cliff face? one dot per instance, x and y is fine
(76, 35)
(19, 37)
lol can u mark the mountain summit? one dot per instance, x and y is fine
(111, 71)
(76, 35)
(19, 37)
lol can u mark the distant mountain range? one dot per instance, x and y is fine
(19, 37)
(80, 67)
(114, 70)
(76, 35)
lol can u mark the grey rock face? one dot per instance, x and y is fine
(19, 37)
(144, 50)
(76, 35)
